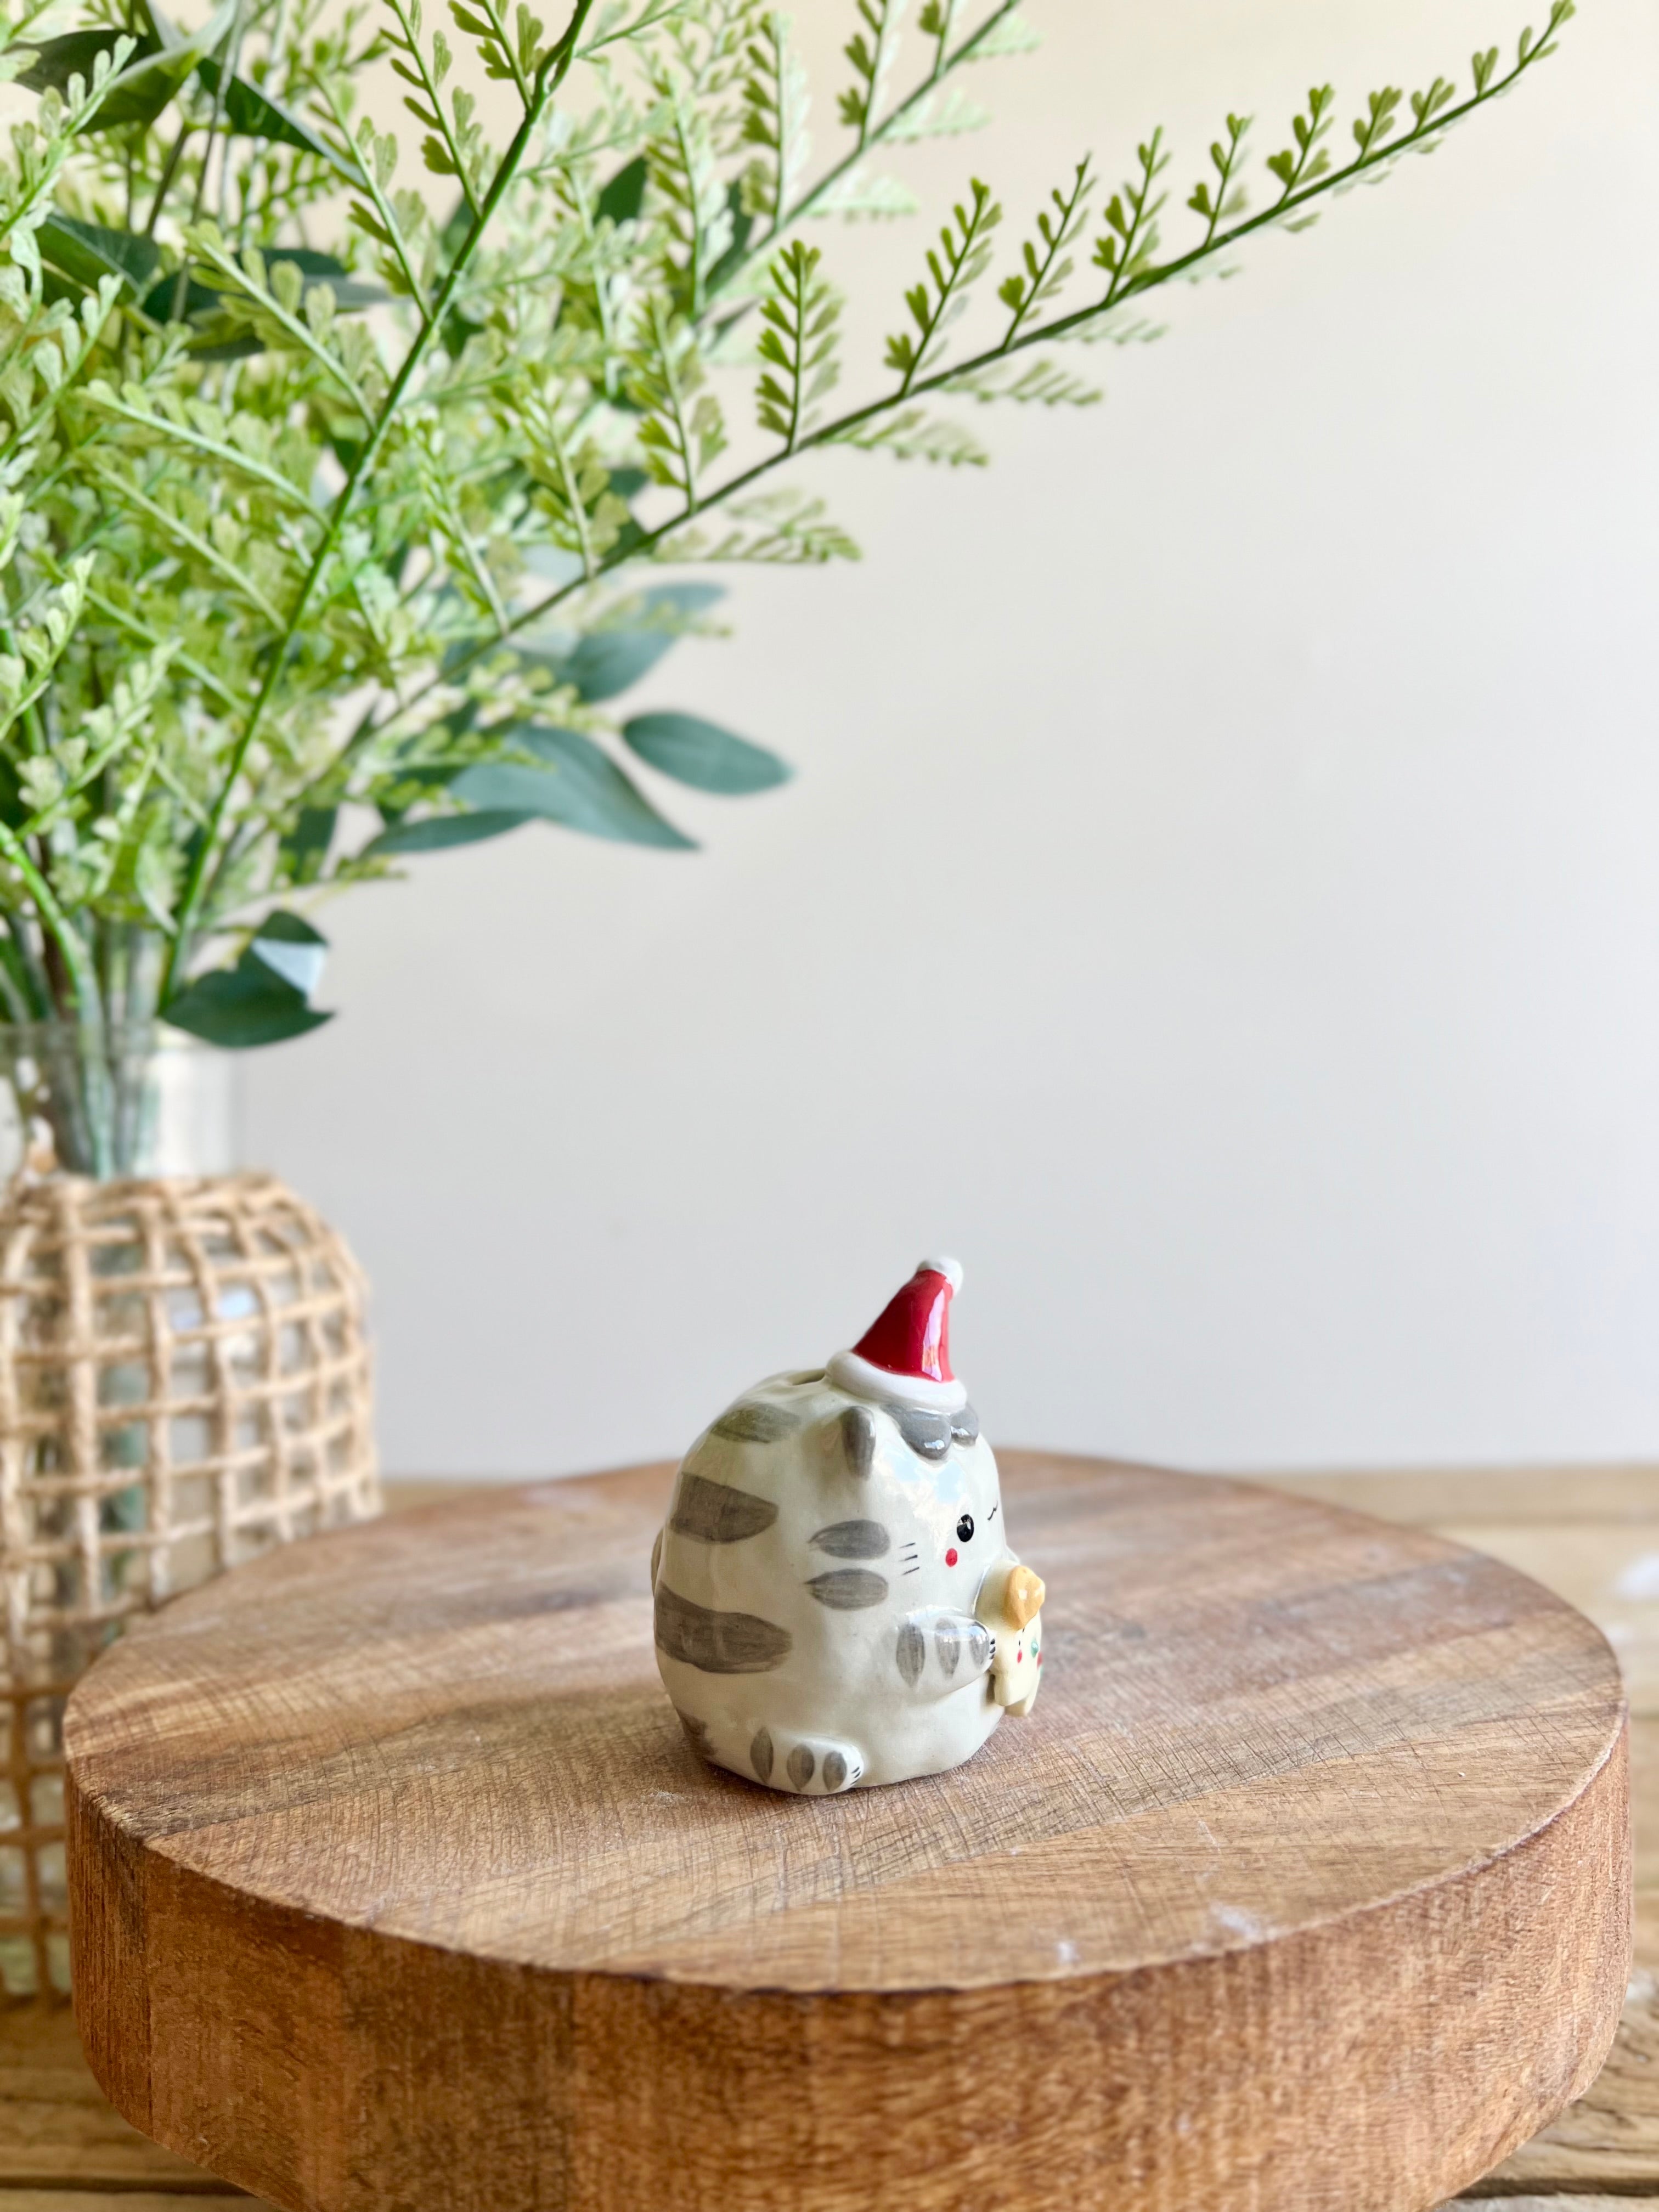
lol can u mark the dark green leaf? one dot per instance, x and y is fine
(440, 831)
(160, 302)
(88, 251)
(305, 848)
(290, 947)
(702, 754)
(349, 291)
(57, 60)
(265, 997)
(743, 222)
(624, 196)
(581, 787)
(254, 114)
(139, 101)
(14, 809)
(204, 298)
(608, 661)
(241, 1006)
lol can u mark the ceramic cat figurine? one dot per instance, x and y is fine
(835, 1600)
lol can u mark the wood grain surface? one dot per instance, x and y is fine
(396, 1885)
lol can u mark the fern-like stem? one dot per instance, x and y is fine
(550, 76)
(814, 194)
(1061, 327)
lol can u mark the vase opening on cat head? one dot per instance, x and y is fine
(835, 1600)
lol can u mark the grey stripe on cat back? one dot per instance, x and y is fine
(853, 1540)
(752, 1422)
(801, 1763)
(715, 1513)
(845, 1589)
(911, 1651)
(718, 1643)
(857, 1439)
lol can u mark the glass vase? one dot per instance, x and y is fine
(112, 1099)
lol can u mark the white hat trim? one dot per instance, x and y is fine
(849, 1371)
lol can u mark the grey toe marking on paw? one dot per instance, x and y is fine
(801, 1764)
(760, 1754)
(853, 1540)
(715, 1513)
(982, 1646)
(834, 1769)
(857, 1439)
(949, 1644)
(846, 1589)
(752, 1422)
(718, 1643)
(696, 1732)
(912, 1652)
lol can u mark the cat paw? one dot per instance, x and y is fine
(817, 1763)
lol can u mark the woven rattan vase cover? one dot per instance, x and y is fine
(184, 1382)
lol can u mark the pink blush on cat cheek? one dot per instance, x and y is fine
(951, 1557)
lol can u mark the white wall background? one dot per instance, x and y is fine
(1220, 894)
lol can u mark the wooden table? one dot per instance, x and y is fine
(1594, 1534)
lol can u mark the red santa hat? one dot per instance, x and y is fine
(905, 1354)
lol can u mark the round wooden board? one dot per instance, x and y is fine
(1307, 1886)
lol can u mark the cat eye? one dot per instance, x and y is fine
(965, 1528)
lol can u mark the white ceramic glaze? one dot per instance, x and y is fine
(837, 1602)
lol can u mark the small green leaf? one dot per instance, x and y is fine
(438, 832)
(581, 788)
(702, 754)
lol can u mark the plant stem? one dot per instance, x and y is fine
(832, 176)
(548, 78)
(1062, 327)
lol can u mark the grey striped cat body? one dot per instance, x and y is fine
(818, 1585)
